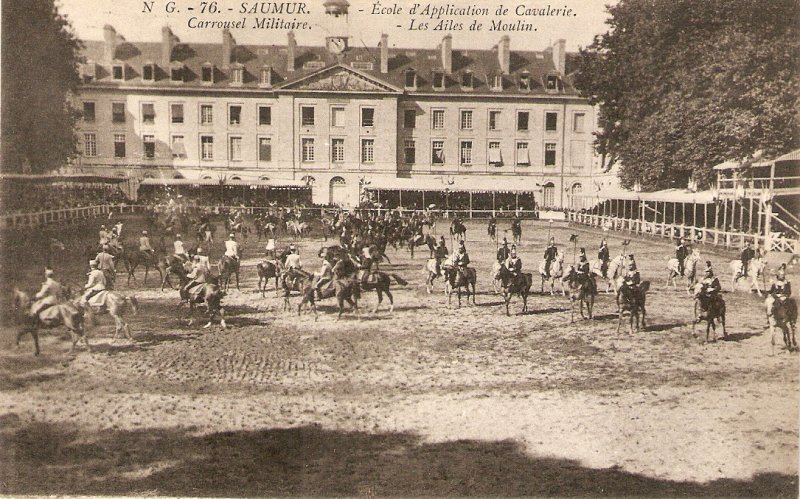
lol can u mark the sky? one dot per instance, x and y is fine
(578, 29)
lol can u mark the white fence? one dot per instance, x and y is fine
(40, 218)
(702, 235)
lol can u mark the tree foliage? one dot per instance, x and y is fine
(683, 85)
(40, 71)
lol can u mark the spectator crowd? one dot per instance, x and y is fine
(26, 197)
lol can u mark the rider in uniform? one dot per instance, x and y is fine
(180, 251)
(584, 272)
(632, 277)
(144, 245)
(196, 276)
(710, 287)
(747, 254)
(503, 252)
(232, 248)
(440, 253)
(513, 263)
(324, 276)
(293, 259)
(49, 295)
(681, 252)
(492, 228)
(203, 259)
(370, 263)
(103, 235)
(105, 262)
(549, 255)
(604, 256)
(781, 289)
(462, 258)
(95, 284)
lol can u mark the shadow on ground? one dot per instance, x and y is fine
(42, 458)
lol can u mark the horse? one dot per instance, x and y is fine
(294, 280)
(113, 303)
(516, 231)
(497, 282)
(430, 271)
(782, 314)
(266, 271)
(380, 283)
(208, 293)
(344, 289)
(172, 265)
(755, 269)
(420, 240)
(556, 273)
(613, 272)
(296, 229)
(580, 290)
(328, 227)
(458, 229)
(457, 279)
(64, 313)
(711, 311)
(228, 266)
(491, 230)
(519, 285)
(133, 259)
(632, 299)
(689, 271)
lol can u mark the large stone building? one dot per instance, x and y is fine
(345, 120)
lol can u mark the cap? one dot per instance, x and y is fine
(93, 263)
(177, 236)
(232, 235)
(48, 272)
(144, 232)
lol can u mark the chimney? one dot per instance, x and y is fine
(384, 53)
(228, 44)
(168, 41)
(560, 56)
(290, 51)
(109, 43)
(447, 53)
(504, 54)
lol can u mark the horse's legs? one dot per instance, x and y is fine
(237, 280)
(391, 300)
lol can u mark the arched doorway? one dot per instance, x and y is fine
(548, 195)
(338, 191)
(576, 201)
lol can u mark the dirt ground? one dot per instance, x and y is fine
(428, 400)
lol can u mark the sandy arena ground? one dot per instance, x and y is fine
(427, 400)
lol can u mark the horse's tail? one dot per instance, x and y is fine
(399, 279)
(134, 304)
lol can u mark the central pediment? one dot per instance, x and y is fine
(340, 78)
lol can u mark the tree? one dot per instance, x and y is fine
(40, 55)
(684, 85)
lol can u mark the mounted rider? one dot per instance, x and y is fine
(95, 284)
(371, 257)
(513, 263)
(50, 294)
(491, 230)
(180, 250)
(144, 245)
(632, 277)
(710, 288)
(197, 276)
(681, 252)
(583, 272)
(550, 254)
(440, 254)
(604, 256)
(103, 235)
(746, 255)
(203, 259)
(324, 276)
(232, 248)
(105, 262)
(781, 289)
(503, 253)
(461, 259)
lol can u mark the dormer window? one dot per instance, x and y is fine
(237, 75)
(553, 83)
(88, 72)
(118, 72)
(148, 72)
(207, 73)
(265, 77)
(438, 80)
(411, 78)
(525, 82)
(467, 81)
(176, 73)
(497, 83)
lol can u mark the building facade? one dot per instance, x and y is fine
(345, 120)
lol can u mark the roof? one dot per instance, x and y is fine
(459, 184)
(70, 177)
(483, 64)
(666, 195)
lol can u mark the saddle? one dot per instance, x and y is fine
(196, 293)
(51, 315)
(99, 300)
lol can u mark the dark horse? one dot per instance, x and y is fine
(457, 279)
(710, 309)
(581, 290)
(632, 299)
(208, 293)
(458, 229)
(294, 280)
(228, 266)
(420, 240)
(134, 259)
(380, 282)
(65, 313)
(519, 285)
(782, 313)
(344, 289)
(266, 271)
(172, 265)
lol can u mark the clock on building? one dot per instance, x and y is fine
(337, 44)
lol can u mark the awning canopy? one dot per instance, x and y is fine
(665, 196)
(71, 177)
(278, 183)
(455, 184)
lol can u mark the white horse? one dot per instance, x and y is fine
(497, 283)
(431, 274)
(755, 271)
(689, 271)
(613, 272)
(556, 273)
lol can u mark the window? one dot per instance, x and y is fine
(149, 146)
(578, 122)
(367, 116)
(88, 112)
(118, 72)
(467, 81)
(148, 72)
(497, 82)
(438, 80)
(367, 150)
(264, 149)
(553, 83)
(495, 154)
(148, 113)
(308, 150)
(90, 145)
(494, 120)
(548, 194)
(550, 122)
(549, 154)
(235, 149)
(410, 152)
(522, 121)
(178, 147)
(265, 77)
(337, 151)
(206, 114)
(176, 74)
(207, 147)
(264, 115)
(523, 157)
(410, 119)
(437, 152)
(207, 73)
(411, 78)
(307, 113)
(524, 82)
(438, 119)
(466, 152)
(118, 112)
(237, 76)
(119, 145)
(235, 115)
(466, 120)
(176, 110)
(337, 116)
